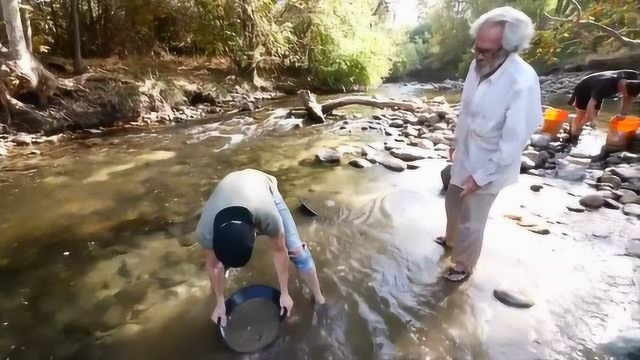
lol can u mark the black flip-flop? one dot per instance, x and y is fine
(455, 275)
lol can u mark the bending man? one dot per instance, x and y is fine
(500, 110)
(593, 89)
(247, 203)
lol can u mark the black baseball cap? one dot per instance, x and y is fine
(234, 236)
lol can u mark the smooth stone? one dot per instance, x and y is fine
(612, 204)
(393, 164)
(398, 124)
(536, 187)
(445, 176)
(632, 186)
(423, 144)
(627, 174)
(612, 180)
(540, 140)
(413, 166)
(360, 163)
(410, 132)
(608, 194)
(390, 145)
(440, 126)
(22, 140)
(576, 208)
(568, 171)
(631, 210)
(410, 120)
(442, 147)
(436, 139)
(329, 156)
(594, 201)
(512, 299)
(526, 164)
(628, 197)
(409, 153)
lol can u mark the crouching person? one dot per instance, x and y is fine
(245, 204)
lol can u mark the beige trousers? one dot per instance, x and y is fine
(466, 220)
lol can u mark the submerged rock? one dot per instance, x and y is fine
(328, 156)
(594, 201)
(513, 299)
(360, 163)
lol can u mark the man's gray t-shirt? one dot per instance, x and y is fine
(251, 189)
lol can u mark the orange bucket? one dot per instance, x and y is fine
(553, 120)
(622, 131)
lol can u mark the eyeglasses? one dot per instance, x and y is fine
(486, 53)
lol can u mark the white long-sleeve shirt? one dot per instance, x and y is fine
(497, 118)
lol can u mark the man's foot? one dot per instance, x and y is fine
(456, 275)
(440, 240)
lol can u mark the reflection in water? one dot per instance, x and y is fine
(109, 269)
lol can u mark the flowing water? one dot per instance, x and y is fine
(96, 262)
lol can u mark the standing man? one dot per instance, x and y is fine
(590, 92)
(246, 203)
(501, 108)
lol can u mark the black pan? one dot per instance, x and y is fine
(255, 327)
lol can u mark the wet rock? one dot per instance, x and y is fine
(612, 204)
(436, 138)
(632, 210)
(409, 153)
(576, 208)
(423, 144)
(536, 187)
(360, 163)
(540, 140)
(396, 124)
(512, 299)
(594, 201)
(410, 132)
(612, 180)
(445, 176)
(328, 156)
(392, 163)
(629, 197)
(526, 164)
(627, 174)
(22, 140)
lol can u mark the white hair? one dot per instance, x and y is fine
(518, 27)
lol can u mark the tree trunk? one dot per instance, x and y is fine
(27, 28)
(77, 49)
(17, 44)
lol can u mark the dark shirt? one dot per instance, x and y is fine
(604, 84)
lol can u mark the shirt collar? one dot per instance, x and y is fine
(502, 68)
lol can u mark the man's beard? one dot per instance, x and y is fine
(483, 67)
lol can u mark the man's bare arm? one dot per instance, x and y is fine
(215, 270)
(281, 263)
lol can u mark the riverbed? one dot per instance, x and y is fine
(98, 261)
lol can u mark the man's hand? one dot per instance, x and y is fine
(220, 314)
(285, 303)
(470, 186)
(451, 152)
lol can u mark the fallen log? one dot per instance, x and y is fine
(317, 112)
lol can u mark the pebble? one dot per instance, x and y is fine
(360, 163)
(631, 210)
(512, 299)
(594, 201)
